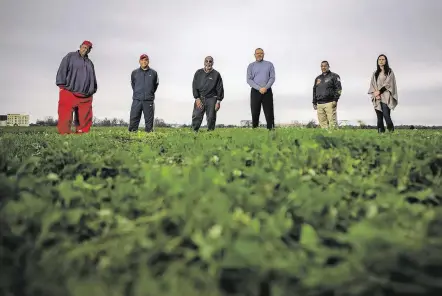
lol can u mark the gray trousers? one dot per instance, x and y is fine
(208, 105)
(145, 107)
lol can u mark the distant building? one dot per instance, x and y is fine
(16, 119)
(344, 122)
(3, 120)
(247, 123)
(175, 125)
(285, 125)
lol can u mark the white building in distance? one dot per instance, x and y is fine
(14, 120)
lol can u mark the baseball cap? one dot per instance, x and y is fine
(88, 43)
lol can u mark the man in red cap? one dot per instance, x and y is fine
(78, 83)
(144, 82)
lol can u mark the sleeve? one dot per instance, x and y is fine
(272, 77)
(338, 86)
(95, 79)
(156, 83)
(220, 88)
(132, 80)
(315, 101)
(383, 89)
(250, 78)
(62, 72)
(196, 93)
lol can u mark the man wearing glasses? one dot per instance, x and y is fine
(208, 91)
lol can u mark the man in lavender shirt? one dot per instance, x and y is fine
(260, 77)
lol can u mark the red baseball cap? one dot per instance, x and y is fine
(144, 56)
(88, 43)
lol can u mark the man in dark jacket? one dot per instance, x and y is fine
(208, 92)
(144, 82)
(326, 93)
(77, 83)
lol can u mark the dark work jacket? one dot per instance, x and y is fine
(208, 85)
(327, 88)
(144, 84)
(77, 75)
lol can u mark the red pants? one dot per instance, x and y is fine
(66, 104)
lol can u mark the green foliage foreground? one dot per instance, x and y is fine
(233, 212)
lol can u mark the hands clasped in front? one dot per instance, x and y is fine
(377, 95)
(199, 104)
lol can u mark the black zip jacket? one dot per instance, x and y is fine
(327, 88)
(208, 85)
(144, 84)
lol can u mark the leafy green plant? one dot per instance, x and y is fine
(231, 212)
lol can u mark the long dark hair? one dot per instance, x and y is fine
(387, 68)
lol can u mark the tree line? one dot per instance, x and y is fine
(115, 122)
(159, 122)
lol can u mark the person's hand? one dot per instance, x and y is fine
(263, 90)
(217, 106)
(199, 104)
(378, 97)
(376, 93)
(315, 106)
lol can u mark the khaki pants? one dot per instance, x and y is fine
(327, 115)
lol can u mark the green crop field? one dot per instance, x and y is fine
(233, 212)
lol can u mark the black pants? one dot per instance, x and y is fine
(138, 107)
(266, 101)
(208, 107)
(76, 119)
(385, 114)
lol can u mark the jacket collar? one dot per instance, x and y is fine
(85, 57)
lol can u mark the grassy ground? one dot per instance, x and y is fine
(232, 212)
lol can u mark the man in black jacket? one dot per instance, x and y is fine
(326, 93)
(208, 92)
(144, 82)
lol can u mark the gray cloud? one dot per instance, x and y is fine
(177, 35)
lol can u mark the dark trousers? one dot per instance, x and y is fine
(208, 107)
(266, 101)
(76, 118)
(385, 114)
(145, 107)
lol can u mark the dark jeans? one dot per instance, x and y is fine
(145, 107)
(385, 114)
(198, 114)
(266, 101)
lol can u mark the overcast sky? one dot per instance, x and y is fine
(295, 35)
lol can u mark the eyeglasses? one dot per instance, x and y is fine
(209, 61)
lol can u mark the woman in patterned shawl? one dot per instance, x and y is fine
(383, 93)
